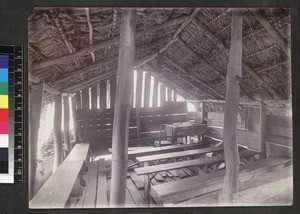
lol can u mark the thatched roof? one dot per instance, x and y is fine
(194, 41)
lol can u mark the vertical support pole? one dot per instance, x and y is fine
(76, 130)
(262, 130)
(155, 93)
(34, 125)
(113, 87)
(57, 132)
(147, 90)
(169, 94)
(122, 108)
(67, 124)
(78, 100)
(103, 95)
(85, 98)
(138, 101)
(162, 95)
(175, 97)
(234, 74)
(94, 97)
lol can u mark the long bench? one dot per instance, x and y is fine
(168, 194)
(179, 154)
(203, 161)
(56, 191)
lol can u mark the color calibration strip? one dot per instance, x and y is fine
(11, 114)
(4, 118)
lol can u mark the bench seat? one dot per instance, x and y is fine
(174, 192)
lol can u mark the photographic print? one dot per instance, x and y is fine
(160, 107)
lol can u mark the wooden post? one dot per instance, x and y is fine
(85, 99)
(113, 87)
(103, 95)
(262, 130)
(162, 94)
(78, 100)
(147, 90)
(34, 125)
(66, 124)
(57, 133)
(169, 94)
(122, 108)
(155, 93)
(76, 130)
(234, 74)
(94, 97)
(175, 97)
(138, 101)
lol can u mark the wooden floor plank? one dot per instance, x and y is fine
(91, 190)
(136, 180)
(102, 197)
(136, 195)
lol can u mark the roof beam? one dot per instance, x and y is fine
(94, 80)
(197, 80)
(34, 79)
(61, 32)
(198, 57)
(261, 17)
(103, 44)
(100, 63)
(222, 45)
(175, 36)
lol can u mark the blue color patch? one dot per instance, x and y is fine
(3, 74)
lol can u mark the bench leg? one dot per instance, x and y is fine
(146, 186)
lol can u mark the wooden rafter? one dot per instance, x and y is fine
(222, 46)
(69, 46)
(103, 44)
(199, 81)
(102, 62)
(202, 61)
(260, 16)
(175, 36)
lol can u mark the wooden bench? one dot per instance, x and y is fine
(56, 191)
(95, 193)
(179, 154)
(206, 185)
(203, 161)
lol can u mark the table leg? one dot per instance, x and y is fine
(146, 186)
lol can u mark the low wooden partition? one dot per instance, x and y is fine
(279, 140)
(95, 126)
(279, 136)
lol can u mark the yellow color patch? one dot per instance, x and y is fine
(3, 101)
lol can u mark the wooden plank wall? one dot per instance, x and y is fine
(279, 132)
(96, 121)
(96, 125)
(279, 136)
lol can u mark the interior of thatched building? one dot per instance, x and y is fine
(159, 107)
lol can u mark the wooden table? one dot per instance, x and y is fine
(178, 130)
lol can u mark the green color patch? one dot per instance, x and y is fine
(3, 88)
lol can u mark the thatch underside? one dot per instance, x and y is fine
(198, 53)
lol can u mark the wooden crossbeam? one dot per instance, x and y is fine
(102, 62)
(103, 44)
(46, 87)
